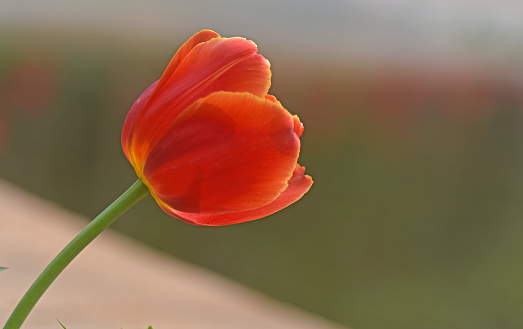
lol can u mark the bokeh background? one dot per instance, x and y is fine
(413, 113)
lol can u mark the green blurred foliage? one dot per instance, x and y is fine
(414, 220)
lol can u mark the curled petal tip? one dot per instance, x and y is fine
(298, 126)
(272, 99)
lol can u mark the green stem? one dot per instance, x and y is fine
(134, 194)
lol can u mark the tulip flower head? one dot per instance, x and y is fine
(209, 142)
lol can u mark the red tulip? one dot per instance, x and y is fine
(210, 144)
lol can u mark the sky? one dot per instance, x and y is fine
(491, 30)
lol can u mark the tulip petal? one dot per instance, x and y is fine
(185, 49)
(299, 184)
(220, 64)
(130, 122)
(228, 152)
(141, 102)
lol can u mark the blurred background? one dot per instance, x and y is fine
(413, 113)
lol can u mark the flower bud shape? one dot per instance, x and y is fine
(209, 142)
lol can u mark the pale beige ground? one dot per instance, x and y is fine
(117, 283)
